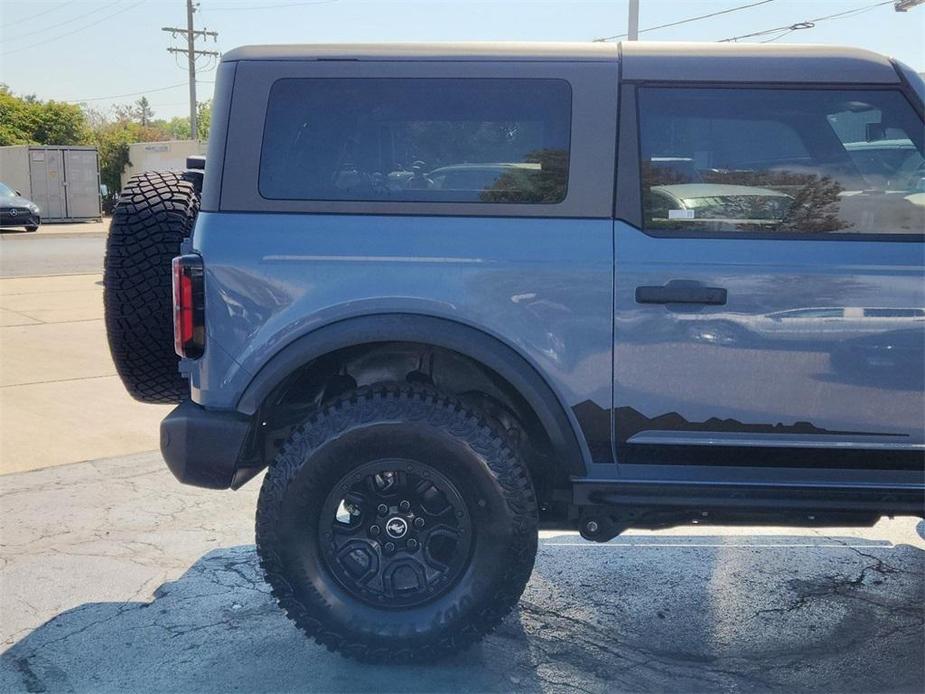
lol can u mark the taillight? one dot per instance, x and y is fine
(189, 334)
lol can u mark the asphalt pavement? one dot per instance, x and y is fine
(56, 249)
(118, 579)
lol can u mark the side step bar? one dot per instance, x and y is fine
(885, 500)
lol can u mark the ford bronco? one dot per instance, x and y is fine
(449, 294)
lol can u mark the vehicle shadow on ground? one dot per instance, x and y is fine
(680, 613)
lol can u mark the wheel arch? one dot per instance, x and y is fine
(557, 420)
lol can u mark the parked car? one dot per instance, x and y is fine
(17, 211)
(717, 204)
(432, 292)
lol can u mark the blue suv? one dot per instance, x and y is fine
(450, 294)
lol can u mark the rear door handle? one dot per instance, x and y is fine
(673, 293)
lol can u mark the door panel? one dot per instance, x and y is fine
(770, 311)
(83, 192)
(47, 172)
(824, 351)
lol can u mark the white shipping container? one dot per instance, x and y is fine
(63, 181)
(160, 156)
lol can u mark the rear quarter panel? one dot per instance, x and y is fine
(543, 286)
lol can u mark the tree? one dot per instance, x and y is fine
(204, 118)
(15, 119)
(143, 111)
(58, 123)
(112, 140)
(26, 120)
(178, 128)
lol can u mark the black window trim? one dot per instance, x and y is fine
(628, 206)
(594, 103)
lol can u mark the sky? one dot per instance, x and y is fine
(107, 52)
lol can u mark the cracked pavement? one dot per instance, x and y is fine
(116, 578)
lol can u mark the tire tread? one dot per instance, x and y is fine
(388, 402)
(155, 212)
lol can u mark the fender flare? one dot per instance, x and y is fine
(558, 420)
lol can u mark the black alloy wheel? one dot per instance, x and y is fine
(398, 536)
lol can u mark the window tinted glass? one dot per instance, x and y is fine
(423, 140)
(786, 161)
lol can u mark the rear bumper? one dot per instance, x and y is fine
(201, 447)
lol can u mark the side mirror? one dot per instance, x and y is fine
(18, 193)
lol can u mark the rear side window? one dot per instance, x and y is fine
(781, 161)
(417, 140)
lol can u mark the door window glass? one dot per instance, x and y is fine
(417, 140)
(781, 161)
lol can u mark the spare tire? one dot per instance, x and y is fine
(155, 212)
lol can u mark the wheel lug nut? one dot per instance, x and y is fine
(374, 530)
(383, 509)
(389, 547)
(405, 505)
(412, 544)
(418, 522)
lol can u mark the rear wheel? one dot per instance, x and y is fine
(155, 212)
(397, 525)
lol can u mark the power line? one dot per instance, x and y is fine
(74, 31)
(7, 25)
(119, 96)
(45, 29)
(689, 19)
(269, 7)
(807, 24)
(141, 93)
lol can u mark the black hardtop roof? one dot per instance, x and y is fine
(641, 60)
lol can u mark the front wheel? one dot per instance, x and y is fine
(32, 227)
(397, 525)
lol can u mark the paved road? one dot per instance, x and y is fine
(24, 255)
(115, 578)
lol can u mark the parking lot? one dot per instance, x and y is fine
(116, 578)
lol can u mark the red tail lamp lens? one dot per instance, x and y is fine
(188, 323)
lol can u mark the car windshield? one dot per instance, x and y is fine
(6, 191)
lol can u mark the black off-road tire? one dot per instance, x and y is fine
(410, 425)
(155, 212)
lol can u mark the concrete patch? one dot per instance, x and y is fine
(57, 306)
(60, 399)
(42, 353)
(66, 421)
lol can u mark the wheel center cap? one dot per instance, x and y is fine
(396, 527)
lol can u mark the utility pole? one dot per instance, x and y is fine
(632, 32)
(191, 55)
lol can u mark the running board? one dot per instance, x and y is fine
(908, 500)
